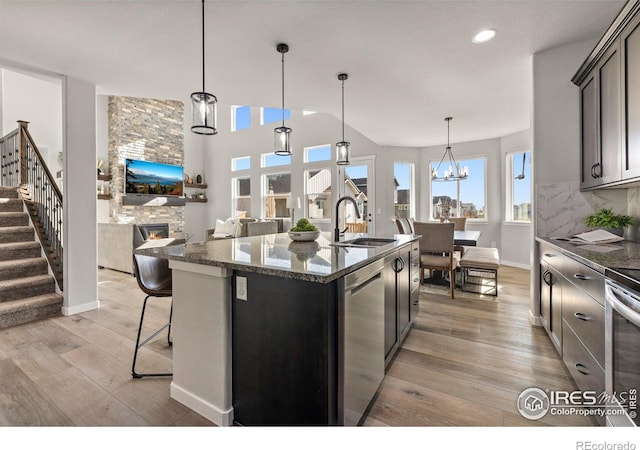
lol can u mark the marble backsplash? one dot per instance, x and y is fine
(561, 207)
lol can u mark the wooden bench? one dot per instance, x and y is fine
(479, 266)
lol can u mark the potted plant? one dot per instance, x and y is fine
(304, 231)
(605, 219)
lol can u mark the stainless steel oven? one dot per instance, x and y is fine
(622, 350)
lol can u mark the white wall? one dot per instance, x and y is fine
(80, 229)
(36, 99)
(517, 238)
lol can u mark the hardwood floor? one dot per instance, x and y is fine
(464, 363)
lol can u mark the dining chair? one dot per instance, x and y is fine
(460, 223)
(154, 279)
(404, 227)
(437, 249)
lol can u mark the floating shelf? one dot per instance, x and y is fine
(104, 177)
(196, 200)
(104, 197)
(196, 185)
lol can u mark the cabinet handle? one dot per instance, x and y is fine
(549, 255)
(415, 280)
(582, 369)
(546, 277)
(593, 171)
(598, 170)
(579, 315)
(579, 276)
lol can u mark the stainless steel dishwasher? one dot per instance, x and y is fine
(363, 363)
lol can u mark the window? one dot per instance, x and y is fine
(319, 153)
(518, 188)
(271, 115)
(276, 189)
(318, 193)
(403, 190)
(240, 117)
(466, 198)
(273, 160)
(242, 163)
(241, 192)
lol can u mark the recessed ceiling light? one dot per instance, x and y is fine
(484, 36)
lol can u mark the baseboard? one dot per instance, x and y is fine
(201, 406)
(77, 309)
(536, 321)
(515, 264)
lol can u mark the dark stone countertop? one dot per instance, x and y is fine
(623, 254)
(278, 255)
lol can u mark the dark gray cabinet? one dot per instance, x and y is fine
(610, 105)
(551, 282)
(630, 43)
(401, 298)
(601, 123)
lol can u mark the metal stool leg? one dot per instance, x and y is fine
(139, 345)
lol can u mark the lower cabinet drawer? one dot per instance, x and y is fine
(586, 318)
(584, 277)
(586, 372)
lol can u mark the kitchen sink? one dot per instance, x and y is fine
(364, 242)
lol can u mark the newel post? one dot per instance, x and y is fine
(23, 125)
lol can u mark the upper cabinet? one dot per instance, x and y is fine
(610, 105)
(630, 42)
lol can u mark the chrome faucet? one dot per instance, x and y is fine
(336, 231)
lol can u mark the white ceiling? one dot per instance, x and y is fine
(410, 63)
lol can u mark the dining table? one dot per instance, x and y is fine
(466, 237)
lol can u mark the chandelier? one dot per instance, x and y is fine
(453, 173)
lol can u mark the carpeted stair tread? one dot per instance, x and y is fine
(11, 205)
(14, 219)
(16, 234)
(19, 250)
(22, 268)
(26, 287)
(8, 192)
(17, 312)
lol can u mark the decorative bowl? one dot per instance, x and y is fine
(304, 235)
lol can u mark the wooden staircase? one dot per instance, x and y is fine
(27, 289)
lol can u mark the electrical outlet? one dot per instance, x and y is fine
(241, 288)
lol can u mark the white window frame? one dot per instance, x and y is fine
(509, 178)
(460, 160)
(234, 108)
(233, 163)
(412, 186)
(264, 191)
(263, 158)
(234, 191)
(322, 161)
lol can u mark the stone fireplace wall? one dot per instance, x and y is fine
(150, 130)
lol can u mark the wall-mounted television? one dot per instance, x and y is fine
(153, 178)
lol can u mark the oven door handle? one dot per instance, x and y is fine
(612, 295)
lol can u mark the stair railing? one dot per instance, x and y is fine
(23, 165)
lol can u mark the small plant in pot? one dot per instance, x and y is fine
(607, 220)
(304, 231)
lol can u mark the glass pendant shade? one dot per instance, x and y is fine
(343, 148)
(282, 143)
(343, 151)
(204, 113)
(204, 106)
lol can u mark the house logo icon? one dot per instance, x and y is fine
(533, 403)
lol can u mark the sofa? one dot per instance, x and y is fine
(243, 227)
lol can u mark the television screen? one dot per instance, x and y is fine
(152, 178)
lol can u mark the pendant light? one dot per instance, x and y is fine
(454, 173)
(282, 145)
(204, 113)
(343, 148)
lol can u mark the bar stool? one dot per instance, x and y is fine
(154, 278)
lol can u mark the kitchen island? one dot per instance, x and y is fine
(268, 331)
